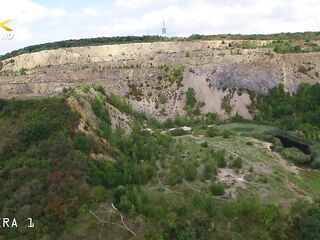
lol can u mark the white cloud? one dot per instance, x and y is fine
(131, 4)
(22, 34)
(138, 17)
(56, 12)
(91, 12)
(214, 17)
(26, 11)
(136, 4)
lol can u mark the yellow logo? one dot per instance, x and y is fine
(3, 25)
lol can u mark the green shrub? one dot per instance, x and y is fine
(303, 69)
(176, 175)
(191, 99)
(187, 54)
(121, 103)
(175, 75)
(163, 98)
(100, 89)
(187, 234)
(219, 156)
(86, 88)
(204, 144)
(100, 110)
(237, 163)
(316, 163)
(295, 155)
(217, 189)
(213, 132)
(209, 171)
(282, 47)
(307, 225)
(35, 131)
(83, 143)
(178, 132)
(105, 131)
(226, 133)
(248, 45)
(190, 171)
(100, 194)
(23, 71)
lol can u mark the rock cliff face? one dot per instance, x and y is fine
(155, 76)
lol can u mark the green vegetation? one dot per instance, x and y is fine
(166, 184)
(295, 155)
(286, 47)
(100, 89)
(237, 163)
(213, 132)
(299, 111)
(217, 189)
(226, 103)
(308, 223)
(39, 166)
(174, 75)
(163, 98)
(191, 99)
(100, 110)
(83, 143)
(248, 45)
(121, 103)
(178, 132)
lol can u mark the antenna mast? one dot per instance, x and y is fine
(163, 30)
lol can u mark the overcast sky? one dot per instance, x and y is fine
(40, 21)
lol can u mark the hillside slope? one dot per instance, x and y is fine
(144, 71)
(64, 163)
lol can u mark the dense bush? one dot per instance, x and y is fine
(191, 99)
(286, 47)
(163, 98)
(237, 163)
(178, 132)
(213, 132)
(51, 186)
(176, 175)
(34, 131)
(226, 133)
(209, 171)
(83, 142)
(307, 223)
(299, 111)
(216, 189)
(121, 103)
(219, 156)
(295, 155)
(100, 89)
(190, 171)
(100, 110)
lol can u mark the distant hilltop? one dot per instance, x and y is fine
(131, 39)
